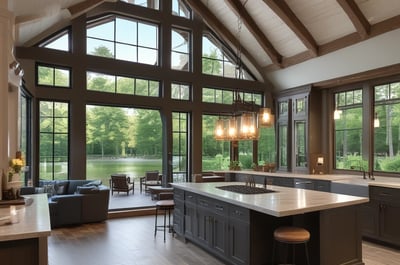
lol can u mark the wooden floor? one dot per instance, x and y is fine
(130, 241)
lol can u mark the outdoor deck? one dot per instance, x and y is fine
(136, 200)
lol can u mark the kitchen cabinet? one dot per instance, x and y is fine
(312, 184)
(221, 228)
(380, 217)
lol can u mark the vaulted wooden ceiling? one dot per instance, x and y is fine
(275, 36)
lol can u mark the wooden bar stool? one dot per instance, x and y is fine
(292, 236)
(165, 206)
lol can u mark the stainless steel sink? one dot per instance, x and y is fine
(244, 189)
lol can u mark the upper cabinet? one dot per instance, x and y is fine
(298, 130)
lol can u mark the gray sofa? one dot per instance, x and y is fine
(73, 202)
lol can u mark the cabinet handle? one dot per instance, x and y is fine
(219, 208)
(385, 194)
(238, 212)
(303, 182)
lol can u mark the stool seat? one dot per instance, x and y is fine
(165, 204)
(291, 234)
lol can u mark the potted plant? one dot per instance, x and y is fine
(234, 165)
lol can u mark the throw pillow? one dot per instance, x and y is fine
(93, 183)
(61, 187)
(49, 189)
(87, 189)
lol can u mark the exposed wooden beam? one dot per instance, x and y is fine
(386, 71)
(215, 24)
(251, 25)
(83, 7)
(356, 16)
(281, 9)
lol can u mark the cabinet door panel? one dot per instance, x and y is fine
(219, 234)
(239, 242)
(190, 220)
(369, 218)
(203, 229)
(389, 223)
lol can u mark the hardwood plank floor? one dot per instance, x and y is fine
(130, 241)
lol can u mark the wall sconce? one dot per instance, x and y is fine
(319, 166)
(336, 114)
(376, 121)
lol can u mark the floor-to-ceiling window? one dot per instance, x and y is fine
(180, 146)
(25, 132)
(387, 127)
(53, 140)
(122, 141)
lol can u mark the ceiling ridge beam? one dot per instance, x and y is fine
(211, 21)
(356, 16)
(252, 26)
(283, 11)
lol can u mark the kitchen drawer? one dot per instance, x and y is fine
(204, 202)
(190, 197)
(239, 213)
(220, 208)
(384, 194)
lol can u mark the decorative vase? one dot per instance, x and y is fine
(14, 187)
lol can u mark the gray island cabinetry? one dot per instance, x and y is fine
(238, 228)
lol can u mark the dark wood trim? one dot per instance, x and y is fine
(359, 77)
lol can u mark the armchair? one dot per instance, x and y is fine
(121, 183)
(151, 178)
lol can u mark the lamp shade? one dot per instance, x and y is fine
(266, 118)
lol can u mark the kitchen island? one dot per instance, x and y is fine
(238, 228)
(24, 241)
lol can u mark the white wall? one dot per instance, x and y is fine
(377, 52)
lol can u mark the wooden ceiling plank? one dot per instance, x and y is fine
(212, 21)
(356, 16)
(251, 25)
(282, 10)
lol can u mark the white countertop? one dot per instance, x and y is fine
(388, 182)
(33, 220)
(283, 202)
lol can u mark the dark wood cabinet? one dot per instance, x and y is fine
(380, 216)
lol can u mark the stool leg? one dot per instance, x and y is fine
(165, 219)
(155, 223)
(273, 252)
(308, 259)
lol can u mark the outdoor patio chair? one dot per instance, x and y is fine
(151, 178)
(121, 183)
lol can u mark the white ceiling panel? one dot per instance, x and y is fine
(324, 19)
